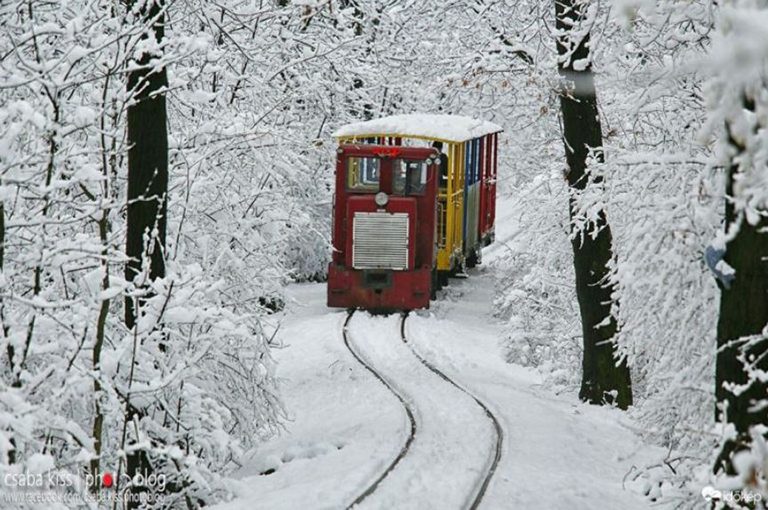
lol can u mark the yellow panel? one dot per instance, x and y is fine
(444, 252)
(458, 201)
(351, 167)
(448, 255)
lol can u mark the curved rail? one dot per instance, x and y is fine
(477, 496)
(474, 502)
(408, 411)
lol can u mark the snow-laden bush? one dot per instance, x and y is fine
(193, 384)
(536, 295)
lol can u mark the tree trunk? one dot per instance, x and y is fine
(147, 193)
(604, 378)
(366, 112)
(98, 419)
(743, 313)
(3, 326)
(147, 164)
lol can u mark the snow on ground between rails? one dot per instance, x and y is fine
(454, 439)
(344, 426)
(559, 453)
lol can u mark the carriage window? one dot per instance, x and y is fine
(363, 174)
(409, 177)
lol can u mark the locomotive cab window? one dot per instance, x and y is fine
(409, 177)
(363, 174)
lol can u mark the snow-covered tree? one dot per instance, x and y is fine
(605, 377)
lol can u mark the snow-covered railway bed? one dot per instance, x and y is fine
(344, 428)
(453, 454)
(495, 457)
(407, 408)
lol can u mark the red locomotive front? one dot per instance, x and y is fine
(383, 227)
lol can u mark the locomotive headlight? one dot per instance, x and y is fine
(381, 199)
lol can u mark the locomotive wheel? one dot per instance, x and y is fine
(442, 278)
(434, 286)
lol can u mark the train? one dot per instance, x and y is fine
(414, 203)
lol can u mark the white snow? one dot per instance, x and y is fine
(345, 427)
(453, 439)
(449, 128)
(559, 453)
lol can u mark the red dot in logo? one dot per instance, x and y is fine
(106, 480)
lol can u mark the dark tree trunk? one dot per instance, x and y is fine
(743, 313)
(147, 164)
(366, 111)
(4, 328)
(147, 192)
(604, 379)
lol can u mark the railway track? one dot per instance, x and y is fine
(406, 406)
(476, 496)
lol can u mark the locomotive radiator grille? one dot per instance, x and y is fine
(380, 241)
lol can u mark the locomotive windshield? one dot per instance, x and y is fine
(363, 174)
(409, 177)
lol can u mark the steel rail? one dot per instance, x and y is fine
(477, 497)
(406, 406)
(478, 494)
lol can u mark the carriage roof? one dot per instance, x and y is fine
(427, 126)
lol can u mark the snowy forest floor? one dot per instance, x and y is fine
(345, 427)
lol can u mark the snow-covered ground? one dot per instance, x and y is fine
(346, 427)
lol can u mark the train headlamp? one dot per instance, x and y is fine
(381, 199)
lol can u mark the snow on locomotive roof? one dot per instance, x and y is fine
(447, 128)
